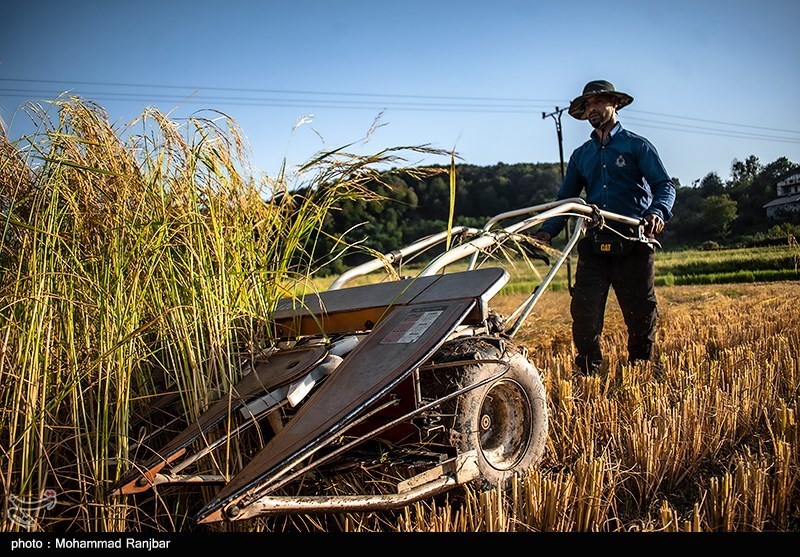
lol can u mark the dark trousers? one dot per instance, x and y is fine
(632, 276)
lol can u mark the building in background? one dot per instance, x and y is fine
(788, 200)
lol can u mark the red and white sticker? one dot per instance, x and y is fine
(412, 327)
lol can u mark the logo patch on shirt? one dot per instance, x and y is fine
(620, 161)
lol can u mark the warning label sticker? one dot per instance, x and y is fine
(412, 327)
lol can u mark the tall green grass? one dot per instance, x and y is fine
(137, 260)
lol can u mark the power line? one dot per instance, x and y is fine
(731, 134)
(197, 88)
(281, 91)
(424, 103)
(132, 97)
(715, 122)
(722, 132)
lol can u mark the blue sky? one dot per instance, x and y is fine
(713, 81)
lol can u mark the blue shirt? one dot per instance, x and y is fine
(624, 176)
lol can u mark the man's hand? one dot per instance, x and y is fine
(653, 224)
(543, 237)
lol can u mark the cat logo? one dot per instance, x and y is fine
(606, 248)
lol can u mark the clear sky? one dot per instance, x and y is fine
(713, 81)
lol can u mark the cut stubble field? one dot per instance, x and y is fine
(704, 438)
(687, 315)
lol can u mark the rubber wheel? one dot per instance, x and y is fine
(504, 421)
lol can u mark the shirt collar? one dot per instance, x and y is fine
(611, 134)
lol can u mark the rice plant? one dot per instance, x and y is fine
(139, 263)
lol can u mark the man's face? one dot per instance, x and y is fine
(599, 110)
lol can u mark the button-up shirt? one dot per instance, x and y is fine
(624, 176)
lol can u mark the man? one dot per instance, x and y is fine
(620, 172)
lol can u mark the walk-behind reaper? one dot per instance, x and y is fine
(415, 376)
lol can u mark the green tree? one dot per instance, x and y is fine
(698, 219)
(743, 173)
(717, 213)
(433, 198)
(684, 227)
(712, 185)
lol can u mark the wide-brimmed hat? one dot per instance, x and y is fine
(598, 87)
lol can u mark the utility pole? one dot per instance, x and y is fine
(556, 116)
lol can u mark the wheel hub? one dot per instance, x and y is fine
(505, 424)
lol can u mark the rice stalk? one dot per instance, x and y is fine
(138, 261)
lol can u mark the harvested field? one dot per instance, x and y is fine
(703, 439)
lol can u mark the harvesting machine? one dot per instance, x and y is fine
(418, 377)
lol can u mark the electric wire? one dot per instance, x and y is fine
(265, 98)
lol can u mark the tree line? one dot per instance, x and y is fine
(711, 210)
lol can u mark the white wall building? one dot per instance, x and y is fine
(788, 200)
